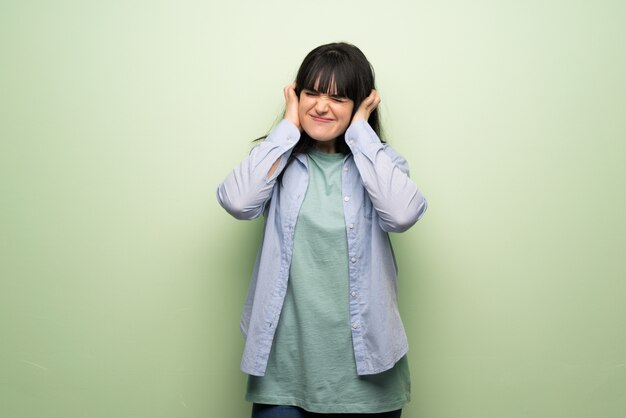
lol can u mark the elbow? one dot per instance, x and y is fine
(398, 223)
(242, 212)
(422, 208)
(236, 206)
(402, 221)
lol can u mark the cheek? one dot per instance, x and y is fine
(346, 113)
(302, 105)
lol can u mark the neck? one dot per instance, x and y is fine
(327, 147)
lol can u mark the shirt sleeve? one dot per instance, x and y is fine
(385, 175)
(246, 190)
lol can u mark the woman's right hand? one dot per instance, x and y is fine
(291, 105)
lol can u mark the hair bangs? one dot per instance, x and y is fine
(331, 75)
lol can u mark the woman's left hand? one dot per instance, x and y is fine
(367, 107)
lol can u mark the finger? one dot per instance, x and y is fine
(370, 103)
(290, 91)
(375, 98)
(367, 102)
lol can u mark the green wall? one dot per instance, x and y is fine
(122, 280)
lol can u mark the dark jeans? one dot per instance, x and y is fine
(279, 411)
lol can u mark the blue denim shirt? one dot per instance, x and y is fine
(379, 197)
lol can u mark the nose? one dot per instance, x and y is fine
(321, 105)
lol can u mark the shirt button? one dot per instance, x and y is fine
(345, 168)
(353, 259)
(354, 293)
(351, 142)
(355, 325)
(351, 226)
(345, 199)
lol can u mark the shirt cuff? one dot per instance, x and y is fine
(360, 135)
(285, 135)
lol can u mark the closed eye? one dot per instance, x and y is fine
(339, 99)
(312, 93)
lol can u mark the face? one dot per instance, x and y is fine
(324, 117)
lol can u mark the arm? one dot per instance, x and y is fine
(246, 190)
(385, 175)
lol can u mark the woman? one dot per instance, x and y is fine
(323, 332)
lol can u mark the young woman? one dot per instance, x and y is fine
(323, 332)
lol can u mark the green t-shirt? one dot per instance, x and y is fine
(311, 364)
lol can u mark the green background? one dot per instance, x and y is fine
(122, 280)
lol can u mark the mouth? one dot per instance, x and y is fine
(321, 119)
